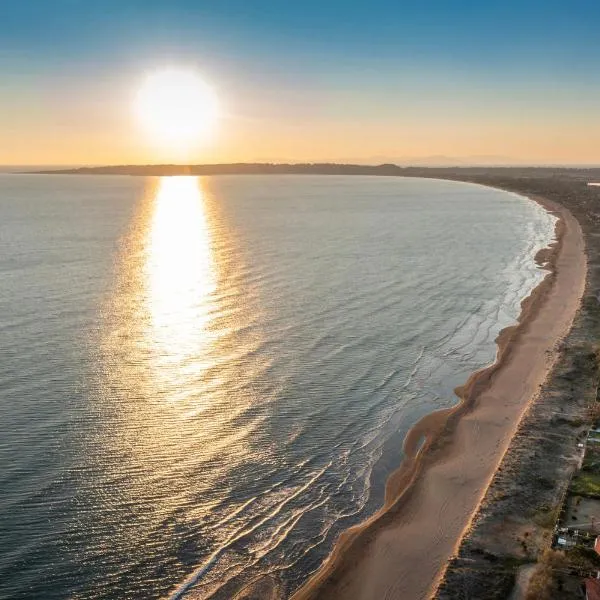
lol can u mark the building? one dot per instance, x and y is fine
(592, 589)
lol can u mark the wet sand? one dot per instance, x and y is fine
(400, 552)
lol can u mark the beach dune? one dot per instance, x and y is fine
(401, 552)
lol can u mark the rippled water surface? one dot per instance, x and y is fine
(203, 381)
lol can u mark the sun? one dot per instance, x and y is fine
(177, 108)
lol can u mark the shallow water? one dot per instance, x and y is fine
(206, 380)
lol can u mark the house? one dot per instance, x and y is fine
(592, 589)
(566, 542)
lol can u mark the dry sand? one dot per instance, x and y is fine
(401, 552)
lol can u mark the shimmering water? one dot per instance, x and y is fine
(205, 380)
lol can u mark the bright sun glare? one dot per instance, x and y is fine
(177, 108)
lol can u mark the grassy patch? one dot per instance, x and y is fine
(586, 483)
(546, 517)
(543, 584)
(514, 562)
(591, 462)
(584, 558)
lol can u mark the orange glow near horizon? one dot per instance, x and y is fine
(89, 128)
(243, 140)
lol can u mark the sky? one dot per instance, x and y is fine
(513, 81)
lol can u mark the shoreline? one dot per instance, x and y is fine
(403, 549)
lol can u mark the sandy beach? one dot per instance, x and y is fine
(401, 552)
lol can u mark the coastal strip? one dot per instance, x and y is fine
(506, 554)
(451, 455)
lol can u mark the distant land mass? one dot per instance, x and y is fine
(386, 169)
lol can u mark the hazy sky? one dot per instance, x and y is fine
(310, 80)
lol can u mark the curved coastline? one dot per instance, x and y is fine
(402, 550)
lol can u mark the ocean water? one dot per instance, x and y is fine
(203, 381)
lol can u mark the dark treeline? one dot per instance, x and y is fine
(333, 169)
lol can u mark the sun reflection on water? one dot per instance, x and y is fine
(180, 273)
(176, 336)
(183, 409)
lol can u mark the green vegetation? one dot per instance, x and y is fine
(583, 558)
(586, 483)
(591, 462)
(514, 562)
(546, 516)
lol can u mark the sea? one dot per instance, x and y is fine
(203, 381)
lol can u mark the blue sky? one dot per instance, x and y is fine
(362, 69)
(549, 34)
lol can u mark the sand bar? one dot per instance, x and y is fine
(400, 553)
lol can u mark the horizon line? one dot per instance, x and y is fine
(399, 164)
